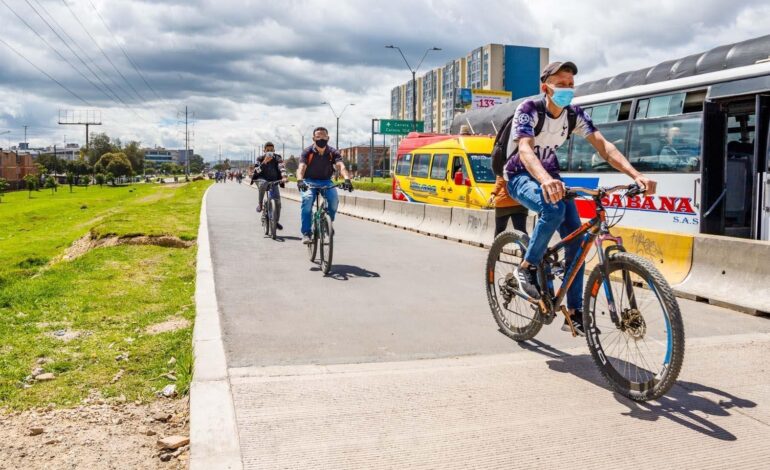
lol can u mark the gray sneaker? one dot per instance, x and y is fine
(306, 240)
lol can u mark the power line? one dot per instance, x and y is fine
(66, 44)
(128, 106)
(44, 72)
(54, 49)
(83, 51)
(96, 43)
(133, 64)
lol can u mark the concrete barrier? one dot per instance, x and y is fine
(411, 216)
(476, 227)
(392, 212)
(671, 253)
(729, 272)
(436, 221)
(369, 209)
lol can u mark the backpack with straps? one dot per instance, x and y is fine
(499, 155)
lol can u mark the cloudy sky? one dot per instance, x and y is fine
(251, 70)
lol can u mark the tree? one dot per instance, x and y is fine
(100, 144)
(3, 187)
(115, 163)
(50, 183)
(196, 164)
(51, 163)
(135, 155)
(79, 167)
(31, 182)
(99, 178)
(70, 180)
(292, 164)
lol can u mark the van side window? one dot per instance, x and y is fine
(404, 164)
(670, 144)
(458, 164)
(439, 169)
(421, 165)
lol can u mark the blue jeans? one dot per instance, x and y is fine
(562, 216)
(308, 198)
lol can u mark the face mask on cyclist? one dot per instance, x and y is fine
(562, 97)
(270, 153)
(321, 143)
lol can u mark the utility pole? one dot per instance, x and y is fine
(338, 116)
(414, 79)
(25, 136)
(186, 144)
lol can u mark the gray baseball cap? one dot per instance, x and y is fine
(555, 67)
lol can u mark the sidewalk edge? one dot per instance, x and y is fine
(214, 440)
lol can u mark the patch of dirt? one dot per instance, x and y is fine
(87, 243)
(106, 434)
(171, 324)
(68, 335)
(154, 197)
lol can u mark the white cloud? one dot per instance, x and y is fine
(252, 69)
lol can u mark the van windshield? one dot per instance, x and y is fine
(481, 166)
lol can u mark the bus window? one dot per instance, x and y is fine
(585, 158)
(481, 167)
(659, 106)
(404, 164)
(439, 169)
(672, 144)
(421, 165)
(611, 112)
(562, 153)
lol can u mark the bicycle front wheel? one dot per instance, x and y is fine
(326, 243)
(273, 220)
(312, 247)
(516, 317)
(641, 354)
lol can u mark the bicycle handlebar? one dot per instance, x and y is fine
(632, 189)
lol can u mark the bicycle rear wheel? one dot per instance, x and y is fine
(641, 356)
(516, 317)
(273, 220)
(326, 243)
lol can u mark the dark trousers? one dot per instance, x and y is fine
(518, 219)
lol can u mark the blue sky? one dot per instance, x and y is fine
(258, 70)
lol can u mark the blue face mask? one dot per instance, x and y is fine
(562, 97)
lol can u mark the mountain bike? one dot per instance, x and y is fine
(269, 210)
(632, 320)
(322, 231)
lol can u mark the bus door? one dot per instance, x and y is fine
(762, 151)
(732, 169)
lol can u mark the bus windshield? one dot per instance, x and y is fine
(481, 166)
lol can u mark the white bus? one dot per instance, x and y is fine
(698, 125)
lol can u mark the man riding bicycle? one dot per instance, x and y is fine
(532, 170)
(316, 167)
(268, 169)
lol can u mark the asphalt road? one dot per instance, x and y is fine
(394, 361)
(392, 294)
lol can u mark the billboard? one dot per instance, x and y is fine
(489, 98)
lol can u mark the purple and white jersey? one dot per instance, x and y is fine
(551, 137)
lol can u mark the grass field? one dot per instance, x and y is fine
(87, 319)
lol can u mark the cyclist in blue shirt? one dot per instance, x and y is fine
(316, 167)
(533, 177)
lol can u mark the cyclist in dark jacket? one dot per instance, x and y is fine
(270, 168)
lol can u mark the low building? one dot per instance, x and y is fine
(160, 155)
(15, 166)
(357, 159)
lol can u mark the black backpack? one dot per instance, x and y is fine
(499, 156)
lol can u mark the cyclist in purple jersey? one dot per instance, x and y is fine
(533, 177)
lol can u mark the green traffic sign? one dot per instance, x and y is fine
(399, 127)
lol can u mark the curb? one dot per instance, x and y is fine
(214, 441)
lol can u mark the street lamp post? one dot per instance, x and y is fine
(338, 116)
(414, 79)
